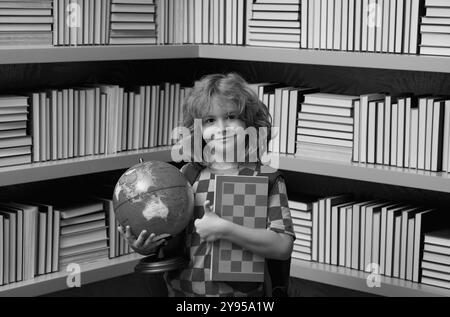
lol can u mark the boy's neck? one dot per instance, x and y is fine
(224, 166)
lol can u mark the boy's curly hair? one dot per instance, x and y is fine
(233, 87)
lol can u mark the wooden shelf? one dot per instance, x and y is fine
(90, 273)
(50, 54)
(329, 58)
(369, 173)
(20, 174)
(357, 280)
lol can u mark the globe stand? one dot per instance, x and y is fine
(153, 268)
(155, 265)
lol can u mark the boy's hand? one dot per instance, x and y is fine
(146, 243)
(211, 226)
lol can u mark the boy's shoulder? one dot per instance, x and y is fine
(274, 175)
(265, 169)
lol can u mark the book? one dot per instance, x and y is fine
(243, 200)
(83, 238)
(436, 249)
(435, 267)
(441, 238)
(81, 209)
(436, 282)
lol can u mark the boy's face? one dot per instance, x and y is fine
(220, 129)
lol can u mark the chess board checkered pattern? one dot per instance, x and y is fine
(242, 200)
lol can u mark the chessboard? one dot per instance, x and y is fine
(242, 200)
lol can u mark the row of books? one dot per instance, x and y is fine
(90, 22)
(81, 22)
(15, 141)
(367, 26)
(282, 103)
(406, 131)
(29, 241)
(42, 238)
(26, 22)
(201, 21)
(275, 23)
(339, 230)
(435, 28)
(88, 121)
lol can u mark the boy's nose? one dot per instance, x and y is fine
(221, 125)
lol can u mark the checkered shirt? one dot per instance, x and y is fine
(195, 280)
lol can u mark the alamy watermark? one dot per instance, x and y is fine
(238, 145)
(374, 278)
(374, 15)
(74, 275)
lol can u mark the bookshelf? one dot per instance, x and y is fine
(48, 54)
(90, 273)
(367, 172)
(78, 166)
(328, 58)
(318, 272)
(357, 280)
(102, 163)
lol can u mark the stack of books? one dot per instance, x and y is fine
(83, 233)
(275, 24)
(283, 104)
(81, 22)
(29, 235)
(133, 22)
(325, 126)
(389, 26)
(406, 131)
(15, 143)
(436, 259)
(26, 22)
(435, 28)
(201, 21)
(301, 212)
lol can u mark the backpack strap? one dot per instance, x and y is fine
(277, 279)
(191, 171)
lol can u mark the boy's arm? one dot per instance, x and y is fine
(267, 243)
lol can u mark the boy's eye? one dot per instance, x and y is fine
(209, 120)
(231, 116)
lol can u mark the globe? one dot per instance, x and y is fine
(153, 196)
